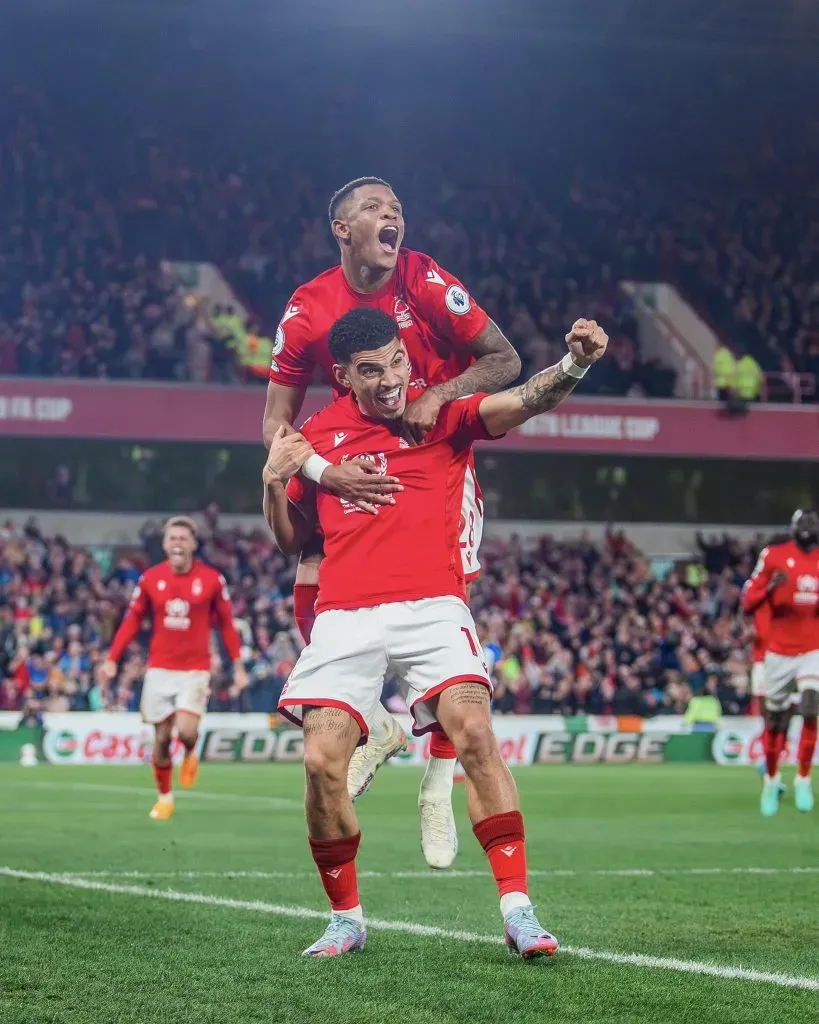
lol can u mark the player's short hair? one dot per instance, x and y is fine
(348, 189)
(363, 329)
(185, 521)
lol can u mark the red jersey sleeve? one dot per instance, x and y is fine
(293, 359)
(300, 491)
(461, 421)
(445, 304)
(224, 613)
(755, 590)
(132, 623)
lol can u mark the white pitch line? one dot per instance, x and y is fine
(412, 928)
(273, 802)
(443, 875)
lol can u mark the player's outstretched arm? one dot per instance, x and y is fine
(587, 343)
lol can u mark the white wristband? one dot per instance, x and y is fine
(314, 467)
(569, 366)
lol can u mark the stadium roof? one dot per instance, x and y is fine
(733, 25)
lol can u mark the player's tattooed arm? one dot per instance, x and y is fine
(547, 389)
(496, 365)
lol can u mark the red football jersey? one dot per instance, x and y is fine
(182, 607)
(436, 316)
(408, 551)
(794, 627)
(762, 629)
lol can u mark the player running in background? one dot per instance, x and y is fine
(392, 598)
(454, 350)
(182, 596)
(787, 578)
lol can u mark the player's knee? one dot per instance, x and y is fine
(188, 737)
(473, 739)
(809, 704)
(778, 720)
(324, 766)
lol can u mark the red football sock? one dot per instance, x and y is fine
(335, 859)
(766, 739)
(502, 837)
(304, 608)
(441, 746)
(807, 746)
(163, 774)
(774, 743)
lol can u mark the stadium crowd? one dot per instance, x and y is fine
(567, 628)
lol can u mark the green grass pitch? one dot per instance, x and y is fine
(647, 861)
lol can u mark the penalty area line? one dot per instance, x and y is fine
(412, 928)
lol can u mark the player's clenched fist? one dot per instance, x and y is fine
(587, 342)
(288, 453)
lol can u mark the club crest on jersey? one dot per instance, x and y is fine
(457, 300)
(402, 314)
(378, 462)
(196, 587)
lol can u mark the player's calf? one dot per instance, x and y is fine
(330, 736)
(803, 789)
(492, 800)
(187, 729)
(163, 770)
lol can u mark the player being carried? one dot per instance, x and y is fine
(182, 595)
(392, 599)
(454, 350)
(786, 577)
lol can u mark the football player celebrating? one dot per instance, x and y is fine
(454, 350)
(392, 599)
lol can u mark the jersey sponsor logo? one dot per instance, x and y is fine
(457, 300)
(807, 590)
(402, 314)
(378, 462)
(338, 437)
(177, 614)
(433, 277)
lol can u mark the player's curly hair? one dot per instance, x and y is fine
(363, 329)
(346, 190)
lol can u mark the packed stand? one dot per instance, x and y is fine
(83, 238)
(567, 628)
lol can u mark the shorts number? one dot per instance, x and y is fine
(470, 640)
(471, 529)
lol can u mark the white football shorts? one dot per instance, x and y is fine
(428, 645)
(165, 691)
(786, 676)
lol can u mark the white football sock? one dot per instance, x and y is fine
(438, 778)
(512, 900)
(355, 913)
